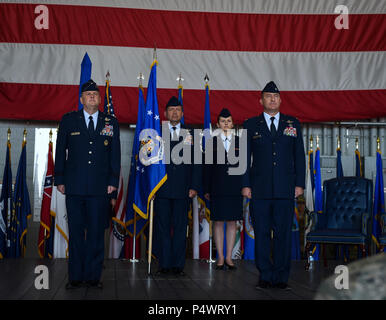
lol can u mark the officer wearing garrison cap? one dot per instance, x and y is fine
(172, 199)
(275, 176)
(87, 166)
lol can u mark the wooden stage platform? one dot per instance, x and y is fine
(123, 280)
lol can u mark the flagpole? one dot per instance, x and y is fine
(150, 237)
(133, 259)
(134, 239)
(210, 260)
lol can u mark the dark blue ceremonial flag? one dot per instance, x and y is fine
(358, 164)
(151, 169)
(339, 167)
(180, 100)
(379, 201)
(22, 206)
(85, 75)
(311, 166)
(140, 222)
(295, 241)
(207, 128)
(6, 203)
(318, 207)
(108, 103)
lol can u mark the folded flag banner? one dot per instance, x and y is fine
(249, 234)
(47, 222)
(22, 207)
(379, 200)
(6, 203)
(135, 223)
(61, 235)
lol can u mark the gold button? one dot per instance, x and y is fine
(90, 152)
(274, 163)
(89, 162)
(90, 142)
(274, 153)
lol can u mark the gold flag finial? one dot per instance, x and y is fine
(317, 142)
(140, 78)
(180, 79)
(9, 134)
(25, 135)
(338, 142)
(50, 135)
(378, 144)
(206, 78)
(155, 52)
(356, 144)
(311, 142)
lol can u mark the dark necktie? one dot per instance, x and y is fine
(174, 134)
(273, 128)
(90, 126)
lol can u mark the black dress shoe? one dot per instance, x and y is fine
(230, 267)
(263, 285)
(282, 285)
(179, 272)
(73, 285)
(220, 267)
(162, 271)
(94, 284)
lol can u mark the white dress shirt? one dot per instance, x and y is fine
(94, 118)
(178, 127)
(268, 117)
(226, 140)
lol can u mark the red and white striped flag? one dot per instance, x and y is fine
(324, 71)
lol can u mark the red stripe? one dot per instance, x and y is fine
(50, 102)
(192, 30)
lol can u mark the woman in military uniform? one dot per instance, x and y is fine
(224, 190)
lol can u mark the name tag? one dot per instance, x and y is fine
(257, 136)
(75, 133)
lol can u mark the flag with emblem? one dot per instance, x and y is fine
(135, 223)
(6, 204)
(22, 208)
(379, 200)
(47, 221)
(151, 170)
(85, 75)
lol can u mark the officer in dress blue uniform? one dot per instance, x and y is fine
(274, 177)
(87, 165)
(172, 199)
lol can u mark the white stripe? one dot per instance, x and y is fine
(227, 70)
(233, 6)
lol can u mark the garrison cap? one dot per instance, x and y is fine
(270, 87)
(90, 85)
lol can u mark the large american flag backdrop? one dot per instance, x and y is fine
(324, 73)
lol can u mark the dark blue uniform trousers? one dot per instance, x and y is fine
(276, 215)
(86, 224)
(171, 220)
